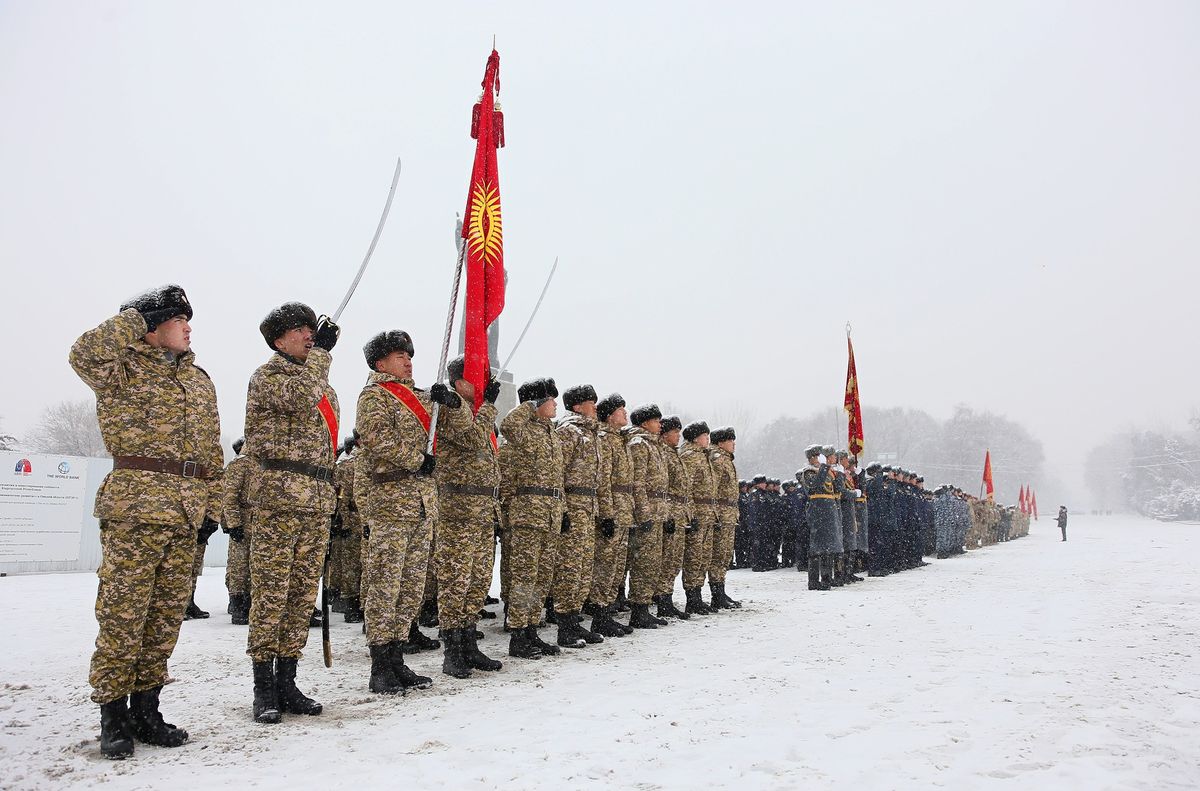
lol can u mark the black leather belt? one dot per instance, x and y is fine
(395, 476)
(300, 468)
(704, 500)
(657, 495)
(540, 491)
(727, 502)
(466, 488)
(677, 498)
(583, 490)
(186, 469)
(624, 488)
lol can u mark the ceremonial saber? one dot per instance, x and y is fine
(387, 207)
(462, 252)
(521, 337)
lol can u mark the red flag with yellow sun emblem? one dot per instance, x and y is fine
(483, 233)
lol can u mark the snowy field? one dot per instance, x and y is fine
(1034, 664)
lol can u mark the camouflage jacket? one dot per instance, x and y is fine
(534, 460)
(703, 487)
(283, 422)
(467, 457)
(726, 482)
(343, 479)
(392, 440)
(615, 495)
(679, 489)
(650, 477)
(235, 504)
(580, 437)
(150, 403)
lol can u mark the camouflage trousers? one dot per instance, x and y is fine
(722, 552)
(645, 553)
(430, 591)
(287, 550)
(145, 578)
(697, 554)
(505, 562)
(575, 562)
(463, 557)
(237, 566)
(608, 569)
(350, 582)
(530, 573)
(198, 563)
(672, 559)
(364, 547)
(394, 574)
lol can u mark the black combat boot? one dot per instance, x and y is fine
(404, 674)
(476, 659)
(417, 641)
(291, 699)
(547, 649)
(428, 617)
(316, 619)
(551, 616)
(715, 602)
(622, 604)
(641, 617)
(147, 724)
(383, 678)
(604, 625)
(815, 583)
(587, 634)
(521, 646)
(454, 661)
(489, 600)
(115, 741)
(732, 604)
(266, 697)
(569, 633)
(612, 613)
(193, 612)
(694, 603)
(487, 615)
(671, 610)
(354, 611)
(240, 612)
(339, 601)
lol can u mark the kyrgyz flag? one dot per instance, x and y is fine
(987, 477)
(853, 408)
(483, 233)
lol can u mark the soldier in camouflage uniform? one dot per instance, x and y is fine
(614, 508)
(157, 412)
(534, 510)
(726, 482)
(291, 432)
(347, 527)
(394, 419)
(579, 433)
(698, 537)
(235, 521)
(193, 611)
(468, 478)
(651, 513)
(680, 503)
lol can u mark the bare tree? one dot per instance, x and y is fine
(8, 442)
(69, 428)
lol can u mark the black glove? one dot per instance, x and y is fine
(237, 533)
(645, 526)
(492, 391)
(669, 527)
(608, 527)
(496, 528)
(440, 394)
(205, 531)
(566, 523)
(326, 336)
(366, 531)
(693, 526)
(427, 465)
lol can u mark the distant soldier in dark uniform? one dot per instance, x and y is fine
(157, 412)
(788, 534)
(879, 491)
(1062, 521)
(741, 541)
(823, 514)
(850, 494)
(758, 512)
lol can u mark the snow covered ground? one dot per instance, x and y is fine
(1034, 664)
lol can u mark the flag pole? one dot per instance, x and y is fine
(441, 369)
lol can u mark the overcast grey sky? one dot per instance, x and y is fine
(1002, 198)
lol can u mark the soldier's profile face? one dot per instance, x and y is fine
(653, 426)
(547, 409)
(587, 409)
(398, 364)
(704, 440)
(728, 445)
(296, 342)
(619, 419)
(461, 386)
(672, 437)
(174, 334)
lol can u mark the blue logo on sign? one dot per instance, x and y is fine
(64, 468)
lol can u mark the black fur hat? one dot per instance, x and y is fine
(671, 423)
(643, 413)
(288, 316)
(455, 368)
(160, 299)
(238, 443)
(722, 434)
(693, 431)
(537, 390)
(385, 343)
(606, 406)
(579, 394)
(760, 478)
